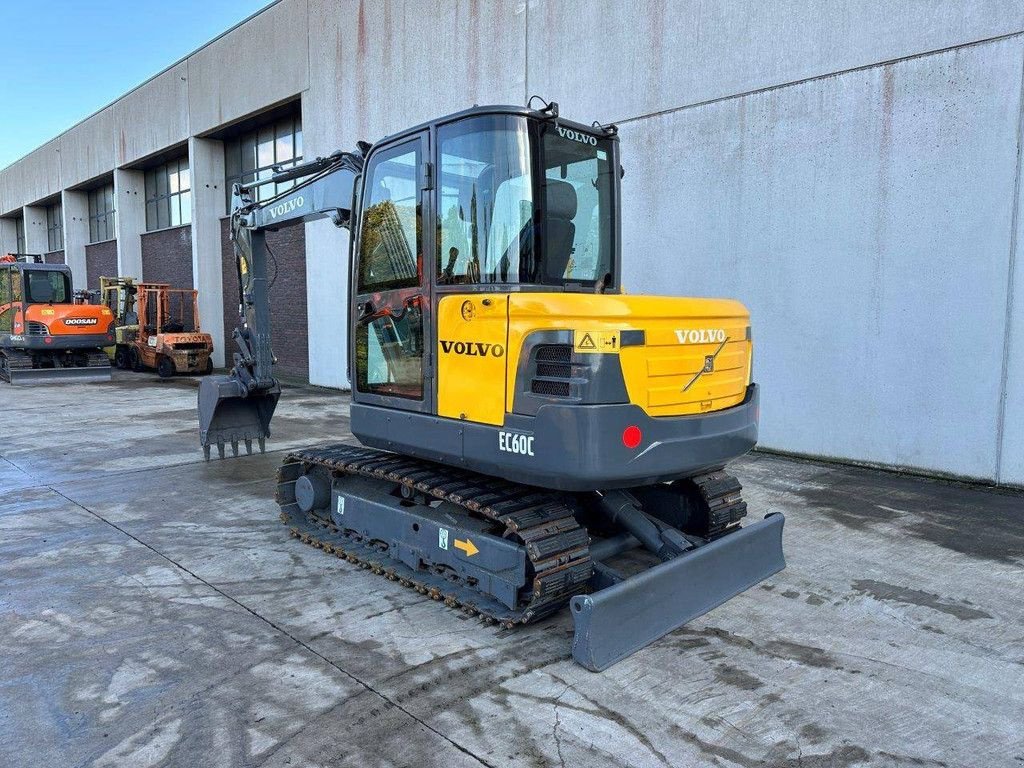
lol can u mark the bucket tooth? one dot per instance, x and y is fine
(263, 444)
(206, 452)
(234, 448)
(248, 446)
(220, 450)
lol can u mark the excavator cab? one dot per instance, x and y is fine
(498, 368)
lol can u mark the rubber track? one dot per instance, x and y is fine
(722, 495)
(556, 545)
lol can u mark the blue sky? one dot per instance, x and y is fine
(61, 60)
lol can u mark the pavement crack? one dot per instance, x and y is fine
(299, 642)
(18, 469)
(554, 733)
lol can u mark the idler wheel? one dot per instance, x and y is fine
(312, 491)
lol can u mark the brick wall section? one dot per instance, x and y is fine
(287, 298)
(54, 257)
(100, 261)
(167, 256)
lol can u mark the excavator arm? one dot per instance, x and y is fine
(238, 407)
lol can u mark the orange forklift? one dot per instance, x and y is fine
(160, 328)
(45, 334)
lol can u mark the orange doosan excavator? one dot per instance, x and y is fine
(44, 334)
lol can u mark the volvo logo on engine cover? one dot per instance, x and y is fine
(701, 336)
(80, 321)
(472, 348)
(582, 138)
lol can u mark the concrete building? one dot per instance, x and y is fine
(852, 175)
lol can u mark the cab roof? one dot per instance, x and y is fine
(607, 131)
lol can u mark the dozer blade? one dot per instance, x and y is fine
(625, 617)
(229, 415)
(22, 376)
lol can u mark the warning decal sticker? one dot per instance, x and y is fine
(596, 341)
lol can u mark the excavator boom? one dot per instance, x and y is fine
(237, 407)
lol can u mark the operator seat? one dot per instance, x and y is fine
(561, 232)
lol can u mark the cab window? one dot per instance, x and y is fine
(5, 286)
(390, 242)
(45, 287)
(485, 205)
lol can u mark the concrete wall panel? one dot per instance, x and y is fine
(206, 159)
(130, 221)
(31, 179)
(36, 240)
(1011, 468)
(75, 207)
(88, 149)
(165, 97)
(385, 66)
(8, 236)
(865, 221)
(600, 63)
(257, 64)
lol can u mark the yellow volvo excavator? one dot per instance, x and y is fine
(534, 437)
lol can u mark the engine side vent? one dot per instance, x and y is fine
(550, 388)
(554, 353)
(553, 370)
(557, 370)
(35, 328)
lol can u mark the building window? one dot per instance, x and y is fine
(54, 227)
(101, 214)
(168, 195)
(19, 228)
(253, 155)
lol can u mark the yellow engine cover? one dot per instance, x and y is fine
(696, 356)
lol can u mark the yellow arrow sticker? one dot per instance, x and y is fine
(466, 546)
(596, 341)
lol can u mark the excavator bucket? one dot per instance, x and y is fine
(631, 614)
(228, 414)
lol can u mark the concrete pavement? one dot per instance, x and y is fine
(153, 611)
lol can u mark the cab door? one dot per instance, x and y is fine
(391, 308)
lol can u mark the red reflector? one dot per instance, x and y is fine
(48, 341)
(631, 436)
